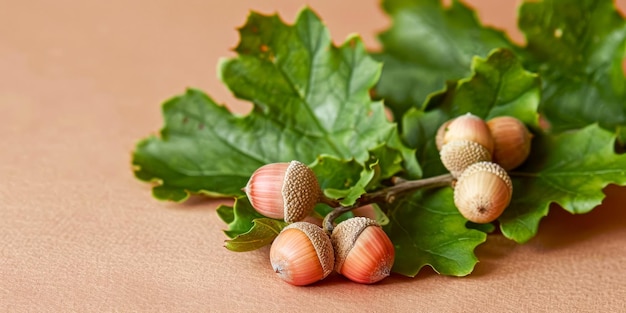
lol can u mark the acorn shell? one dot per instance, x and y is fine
(512, 141)
(302, 254)
(457, 155)
(441, 131)
(482, 192)
(469, 127)
(286, 191)
(363, 251)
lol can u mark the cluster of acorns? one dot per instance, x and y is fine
(304, 253)
(479, 154)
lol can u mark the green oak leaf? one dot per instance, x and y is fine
(239, 217)
(226, 213)
(621, 137)
(310, 98)
(349, 179)
(320, 90)
(427, 229)
(327, 168)
(336, 186)
(386, 163)
(428, 45)
(578, 48)
(485, 228)
(499, 85)
(419, 129)
(262, 233)
(349, 196)
(569, 169)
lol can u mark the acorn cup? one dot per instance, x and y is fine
(457, 155)
(286, 191)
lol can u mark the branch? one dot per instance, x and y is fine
(385, 195)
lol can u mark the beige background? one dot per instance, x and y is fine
(82, 81)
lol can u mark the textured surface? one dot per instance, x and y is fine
(82, 81)
(300, 191)
(457, 155)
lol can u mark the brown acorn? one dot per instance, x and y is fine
(482, 192)
(363, 251)
(512, 141)
(302, 254)
(286, 191)
(457, 155)
(469, 127)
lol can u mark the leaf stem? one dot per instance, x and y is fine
(385, 195)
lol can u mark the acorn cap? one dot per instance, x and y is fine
(457, 155)
(301, 191)
(482, 192)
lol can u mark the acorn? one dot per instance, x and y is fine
(441, 131)
(302, 254)
(482, 192)
(286, 191)
(469, 127)
(511, 141)
(363, 251)
(457, 155)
